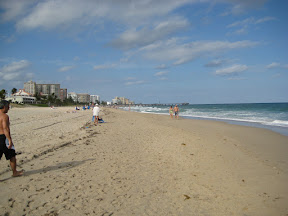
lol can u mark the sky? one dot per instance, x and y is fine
(149, 51)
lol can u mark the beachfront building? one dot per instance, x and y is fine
(73, 95)
(30, 87)
(94, 98)
(22, 97)
(121, 100)
(48, 89)
(116, 101)
(45, 89)
(63, 94)
(83, 98)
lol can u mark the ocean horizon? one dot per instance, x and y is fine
(272, 116)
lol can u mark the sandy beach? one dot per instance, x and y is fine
(141, 164)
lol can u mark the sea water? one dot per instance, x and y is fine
(273, 116)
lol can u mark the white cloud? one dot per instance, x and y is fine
(264, 19)
(15, 66)
(65, 68)
(130, 78)
(273, 65)
(134, 82)
(161, 73)
(277, 65)
(172, 50)
(163, 78)
(162, 66)
(136, 38)
(50, 14)
(250, 21)
(235, 69)
(105, 66)
(14, 8)
(241, 23)
(216, 63)
(15, 71)
(246, 23)
(241, 6)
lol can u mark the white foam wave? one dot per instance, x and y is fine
(250, 120)
(278, 123)
(249, 117)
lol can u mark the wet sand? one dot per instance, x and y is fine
(141, 164)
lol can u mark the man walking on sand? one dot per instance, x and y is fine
(96, 111)
(8, 150)
(176, 111)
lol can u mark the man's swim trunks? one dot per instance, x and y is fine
(9, 153)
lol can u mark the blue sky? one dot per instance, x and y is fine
(196, 51)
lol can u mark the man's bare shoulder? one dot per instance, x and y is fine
(4, 116)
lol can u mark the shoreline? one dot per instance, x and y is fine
(142, 164)
(277, 129)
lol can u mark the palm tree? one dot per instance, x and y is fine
(37, 96)
(14, 90)
(52, 98)
(3, 94)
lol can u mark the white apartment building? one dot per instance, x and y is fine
(73, 95)
(94, 98)
(30, 87)
(116, 101)
(121, 100)
(44, 89)
(48, 89)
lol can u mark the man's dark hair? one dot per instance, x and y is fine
(4, 103)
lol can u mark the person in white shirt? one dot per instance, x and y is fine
(96, 111)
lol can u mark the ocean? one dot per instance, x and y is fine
(272, 116)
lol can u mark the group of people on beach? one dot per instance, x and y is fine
(174, 110)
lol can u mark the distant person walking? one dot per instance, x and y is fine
(96, 111)
(176, 111)
(171, 112)
(6, 144)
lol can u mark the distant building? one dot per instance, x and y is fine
(116, 101)
(94, 98)
(48, 89)
(63, 94)
(45, 89)
(73, 95)
(83, 98)
(22, 97)
(30, 87)
(122, 100)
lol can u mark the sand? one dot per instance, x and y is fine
(141, 164)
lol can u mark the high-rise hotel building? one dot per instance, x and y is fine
(45, 89)
(30, 87)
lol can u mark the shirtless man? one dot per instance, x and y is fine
(176, 111)
(9, 151)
